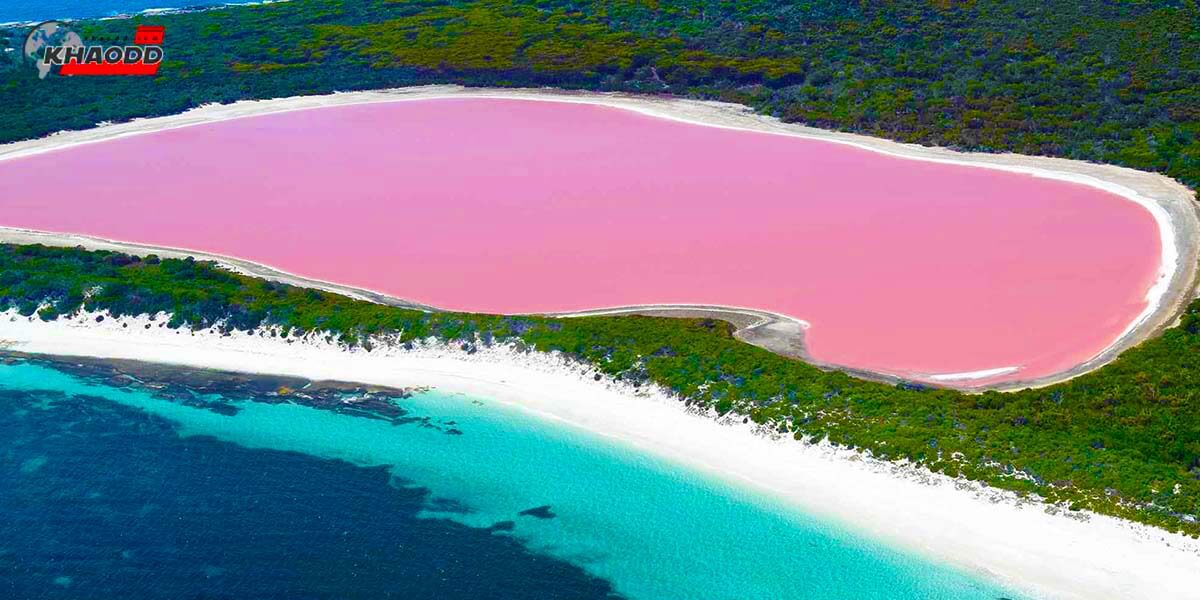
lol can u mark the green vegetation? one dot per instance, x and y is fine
(1124, 440)
(1109, 80)
(1115, 81)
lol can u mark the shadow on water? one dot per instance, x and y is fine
(106, 501)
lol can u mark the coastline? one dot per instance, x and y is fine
(145, 12)
(1168, 202)
(1044, 550)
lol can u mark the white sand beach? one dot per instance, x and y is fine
(1049, 552)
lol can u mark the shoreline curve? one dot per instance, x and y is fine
(1169, 202)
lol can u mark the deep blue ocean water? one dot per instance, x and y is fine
(114, 493)
(19, 11)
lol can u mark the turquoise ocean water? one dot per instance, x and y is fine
(20, 11)
(602, 520)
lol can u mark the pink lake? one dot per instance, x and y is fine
(516, 206)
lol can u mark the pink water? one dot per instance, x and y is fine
(520, 206)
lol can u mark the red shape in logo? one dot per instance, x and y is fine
(149, 34)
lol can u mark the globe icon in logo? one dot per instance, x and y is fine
(50, 33)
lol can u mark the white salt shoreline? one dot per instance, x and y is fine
(985, 531)
(1169, 202)
(981, 374)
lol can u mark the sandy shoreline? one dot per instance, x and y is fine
(1020, 543)
(1170, 203)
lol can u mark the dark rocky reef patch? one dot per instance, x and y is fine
(220, 391)
(539, 512)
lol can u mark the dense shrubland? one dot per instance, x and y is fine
(1108, 80)
(1124, 440)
